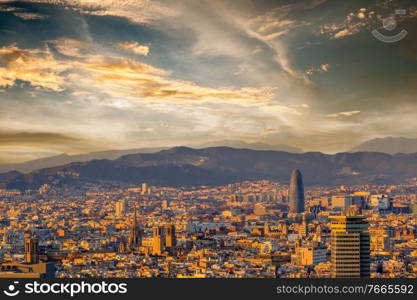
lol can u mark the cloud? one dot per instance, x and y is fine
(133, 47)
(215, 72)
(113, 77)
(355, 22)
(270, 27)
(120, 77)
(136, 11)
(20, 13)
(362, 13)
(38, 67)
(34, 138)
(275, 23)
(112, 101)
(344, 114)
(18, 146)
(29, 16)
(73, 47)
(214, 29)
(321, 69)
(269, 131)
(8, 8)
(324, 67)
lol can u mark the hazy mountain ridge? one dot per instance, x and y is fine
(247, 145)
(222, 165)
(64, 158)
(390, 145)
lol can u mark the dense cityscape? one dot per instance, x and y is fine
(261, 229)
(168, 147)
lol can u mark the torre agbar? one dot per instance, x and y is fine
(296, 192)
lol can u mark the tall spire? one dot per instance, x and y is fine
(135, 236)
(135, 217)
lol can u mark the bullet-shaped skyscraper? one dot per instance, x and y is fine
(296, 192)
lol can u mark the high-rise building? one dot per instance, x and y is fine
(350, 246)
(158, 241)
(135, 236)
(121, 208)
(310, 255)
(303, 229)
(380, 240)
(296, 192)
(31, 267)
(144, 188)
(164, 204)
(342, 202)
(170, 236)
(31, 251)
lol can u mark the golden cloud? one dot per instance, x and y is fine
(133, 47)
(38, 67)
(19, 145)
(72, 47)
(113, 76)
(322, 68)
(344, 114)
(269, 131)
(129, 79)
(34, 138)
(136, 11)
(124, 67)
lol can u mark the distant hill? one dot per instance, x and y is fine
(253, 146)
(390, 145)
(64, 159)
(222, 165)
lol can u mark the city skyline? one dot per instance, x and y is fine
(247, 229)
(208, 139)
(83, 76)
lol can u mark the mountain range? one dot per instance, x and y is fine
(222, 165)
(64, 158)
(390, 145)
(249, 145)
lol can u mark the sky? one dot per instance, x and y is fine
(79, 76)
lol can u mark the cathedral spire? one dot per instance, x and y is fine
(135, 236)
(135, 221)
